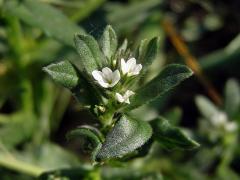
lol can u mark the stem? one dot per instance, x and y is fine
(94, 175)
(230, 142)
(20, 166)
(8, 161)
(191, 61)
(106, 119)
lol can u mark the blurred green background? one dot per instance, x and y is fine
(36, 114)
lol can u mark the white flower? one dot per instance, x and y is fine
(106, 78)
(130, 67)
(219, 119)
(125, 97)
(231, 126)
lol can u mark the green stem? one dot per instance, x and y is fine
(14, 35)
(94, 175)
(20, 166)
(230, 142)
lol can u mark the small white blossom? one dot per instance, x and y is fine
(124, 98)
(106, 78)
(231, 126)
(219, 119)
(130, 67)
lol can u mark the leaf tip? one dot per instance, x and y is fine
(46, 69)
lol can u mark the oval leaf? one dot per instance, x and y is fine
(150, 53)
(91, 136)
(91, 58)
(109, 42)
(168, 78)
(171, 137)
(125, 137)
(141, 50)
(63, 73)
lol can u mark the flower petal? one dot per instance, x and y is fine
(104, 84)
(128, 93)
(231, 126)
(119, 97)
(115, 78)
(107, 73)
(137, 69)
(124, 67)
(97, 75)
(131, 63)
(127, 101)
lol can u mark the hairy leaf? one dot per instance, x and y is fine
(63, 73)
(125, 137)
(150, 53)
(171, 137)
(141, 50)
(168, 78)
(109, 42)
(91, 58)
(68, 76)
(91, 138)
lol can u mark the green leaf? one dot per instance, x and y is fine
(123, 47)
(174, 115)
(68, 76)
(150, 53)
(232, 97)
(91, 58)
(171, 137)
(168, 78)
(45, 17)
(109, 42)
(140, 152)
(63, 73)
(17, 127)
(206, 107)
(125, 137)
(90, 138)
(48, 155)
(141, 50)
